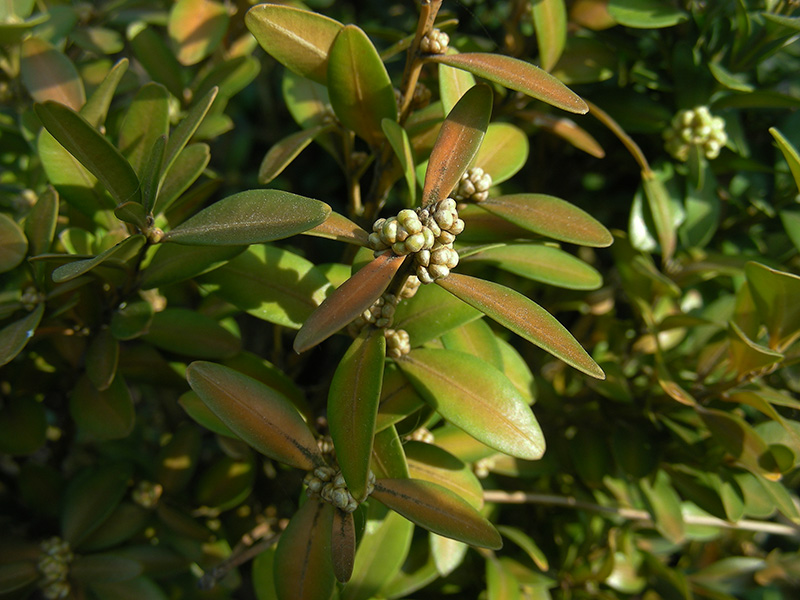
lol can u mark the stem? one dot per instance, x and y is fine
(251, 545)
(626, 140)
(634, 514)
(427, 15)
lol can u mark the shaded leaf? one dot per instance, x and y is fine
(146, 120)
(398, 138)
(567, 129)
(131, 319)
(102, 357)
(23, 426)
(225, 483)
(388, 458)
(49, 75)
(132, 212)
(340, 228)
(174, 262)
(191, 333)
(197, 27)
(96, 568)
(17, 575)
(343, 545)
(665, 506)
(138, 588)
(789, 153)
(186, 129)
(156, 58)
(199, 411)
(13, 244)
(775, 294)
(500, 583)
(524, 317)
(526, 543)
(259, 415)
(399, 399)
(645, 14)
(187, 167)
(285, 151)
(503, 152)
(91, 498)
(550, 23)
(102, 414)
(660, 205)
(122, 251)
(40, 225)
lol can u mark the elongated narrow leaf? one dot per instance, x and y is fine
(645, 14)
(147, 120)
(550, 216)
(453, 83)
(40, 225)
(151, 174)
(156, 57)
(303, 566)
(353, 406)
(524, 317)
(398, 138)
(285, 151)
(250, 217)
(91, 149)
(457, 144)
(516, 75)
(122, 251)
(259, 415)
(550, 22)
(775, 294)
(476, 397)
(566, 129)
(429, 462)
(475, 338)
(789, 153)
(173, 263)
(521, 539)
(49, 75)
(659, 203)
(298, 39)
(185, 130)
(360, 90)
(349, 300)
(185, 170)
(437, 509)
(13, 244)
(340, 228)
(15, 336)
(343, 545)
(191, 333)
(96, 107)
(503, 153)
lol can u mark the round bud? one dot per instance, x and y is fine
(438, 271)
(424, 257)
(399, 248)
(423, 275)
(389, 231)
(414, 243)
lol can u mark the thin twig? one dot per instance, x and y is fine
(634, 514)
(247, 549)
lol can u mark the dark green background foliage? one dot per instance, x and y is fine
(599, 401)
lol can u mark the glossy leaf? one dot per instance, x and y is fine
(92, 149)
(49, 75)
(550, 216)
(343, 545)
(348, 301)
(568, 130)
(398, 138)
(191, 333)
(156, 58)
(187, 167)
(775, 293)
(476, 338)
(453, 83)
(259, 415)
(199, 411)
(645, 14)
(285, 151)
(516, 75)
(503, 152)
(96, 108)
(91, 498)
(146, 120)
(298, 39)
(399, 399)
(517, 370)
(429, 462)
(478, 398)
(437, 509)
(173, 263)
(250, 217)
(524, 317)
(353, 405)
(340, 228)
(197, 27)
(122, 251)
(13, 244)
(789, 153)
(541, 263)
(271, 284)
(303, 566)
(459, 139)
(388, 458)
(550, 23)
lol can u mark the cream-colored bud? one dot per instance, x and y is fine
(452, 259)
(423, 275)
(377, 225)
(444, 218)
(438, 271)
(423, 257)
(399, 248)
(457, 227)
(432, 226)
(446, 238)
(414, 243)
(389, 231)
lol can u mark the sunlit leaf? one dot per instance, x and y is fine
(503, 152)
(789, 153)
(645, 14)
(429, 462)
(747, 356)
(526, 543)
(388, 458)
(50, 75)
(197, 27)
(96, 107)
(476, 338)
(259, 415)
(775, 293)
(121, 251)
(340, 228)
(156, 57)
(453, 83)
(500, 583)
(146, 120)
(665, 506)
(185, 130)
(225, 483)
(522, 316)
(398, 138)
(448, 554)
(660, 206)
(550, 22)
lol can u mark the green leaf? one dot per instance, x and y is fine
(91, 149)
(102, 415)
(432, 463)
(91, 498)
(13, 244)
(96, 108)
(665, 506)
(40, 225)
(49, 75)
(138, 588)
(203, 415)
(133, 213)
(250, 217)
(131, 320)
(550, 22)
(348, 301)
(225, 483)
(197, 27)
(23, 426)
(101, 358)
(586, 60)
(298, 39)
(173, 263)
(17, 575)
(271, 284)
(550, 216)
(156, 58)
(307, 101)
(645, 14)
(476, 338)
(476, 397)
(388, 458)
(458, 142)
(453, 84)
(658, 200)
(503, 152)
(186, 129)
(516, 75)
(437, 509)
(500, 582)
(285, 151)
(791, 223)
(526, 543)
(748, 357)
(179, 457)
(146, 120)
(230, 76)
(398, 139)
(775, 294)
(541, 263)
(728, 79)
(303, 566)
(122, 251)
(263, 574)
(259, 415)
(522, 316)
(187, 167)
(703, 208)
(398, 398)
(789, 153)
(353, 406)
(447, 554)
(191, 333)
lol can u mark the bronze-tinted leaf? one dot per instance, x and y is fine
(251, 217)
(340, 228)
(262, 417)
(517, 75)
(353, 405)
(50, 75)
(437, 509)
(343, 545)
(197, 27)
(349, 300)
(429, 462)
(550, 216)
(458, 142)
(298, 39)
(524, 317)
(303, 566)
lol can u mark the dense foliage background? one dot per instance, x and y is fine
(675, 476)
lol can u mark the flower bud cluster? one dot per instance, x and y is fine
(422, 434)
(397, 342)
(328, 483)
(474, 186)
(420, 98)
(428, 233)
(54, 567)
(380, 314)
(147, 494)
(483, 467)
(434, 42)
(695, 127)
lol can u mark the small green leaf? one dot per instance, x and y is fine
(353, 405)
(398, 399)
(550, 216)
(298, 39)
(49, 75)
(398, 138)
(40, 225)
(343, 545)
(191, 333)
(156, 58)
(259, 415)
(453, 84)
(13, 244)
(197, 27)
(173, 263)
(388, 458)
(360, 90)
(187, 167)
(122, 251)
(285, 151)
(457, 144)
(791, 223)
(665, 506)
(645, 14)
(303, 566)
(475, 396)
(429, 462)
(102, 357)
(748, 357)
(91, 498)
(92, 149)
(250, 217)
(775, 294)
(789, 153)
(225, 483)
(131, 320)
(132, 212)
(186, 129)
(516, 75)
(146, 120)
(307, 101)
(550, 22)
(96, 108)
(102, 414)
(526, 543)
(437, 509)
(660, 205)
(500, 582)
(349, 300)
(524, 317)
(340, 228)
(503, 152)
(448, 554)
